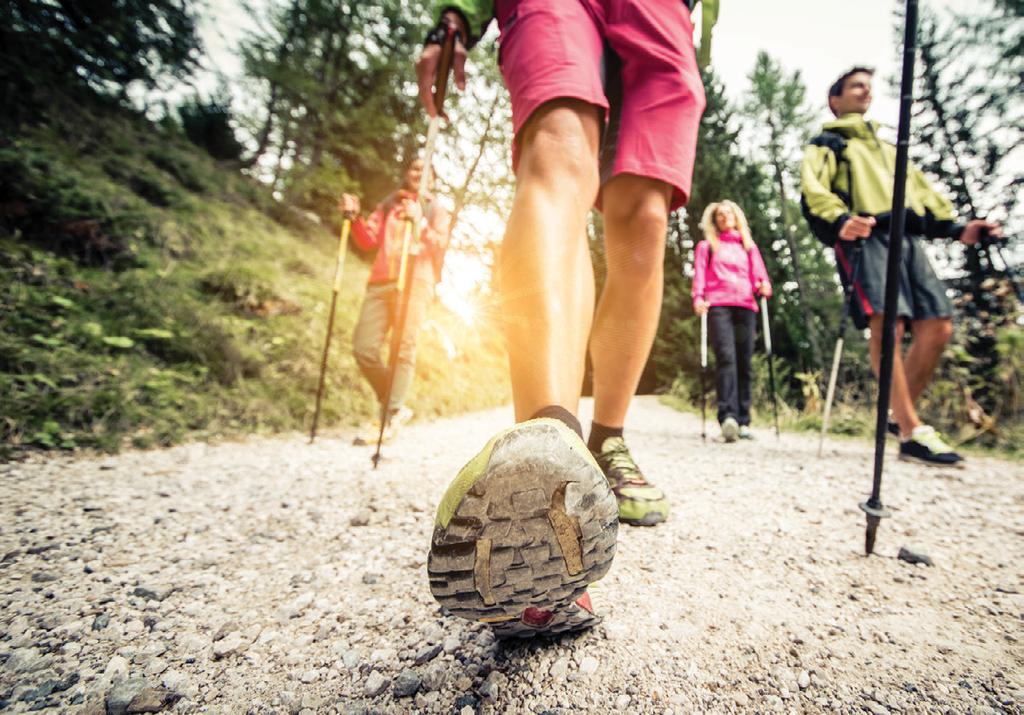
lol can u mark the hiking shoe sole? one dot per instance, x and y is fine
(649, 519)
(522, 531)
(959, 464)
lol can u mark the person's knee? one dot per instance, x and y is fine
(636, 241)
(943, 332)
(365, 356)
(725, 359)
(557, 150)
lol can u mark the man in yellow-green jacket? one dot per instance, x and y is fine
(847, 177)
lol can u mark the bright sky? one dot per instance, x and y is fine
(821, 38)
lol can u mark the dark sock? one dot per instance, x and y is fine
(599, 433)
(562, 415)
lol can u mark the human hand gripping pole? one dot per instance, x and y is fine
(405, 271)
(339, 267)
(873, 507)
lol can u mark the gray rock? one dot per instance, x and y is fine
(876, 708)
(375, 684)
(370, 578)
(289, 702)
(225, 629)
(451, 644)
(176, 681)
(156, 667)
(117, 668)
(150, 700)
(803, 680)
(122, 694)
(154, 593)
(26, 660)
(913, 557)
(44, 577)
(295, 608)
(100, 622)
(309, 676)
(47, 688)
(230, 644)
(491, 687)
(434, 677)
(350, 658)
(406, 684)
(427, 653)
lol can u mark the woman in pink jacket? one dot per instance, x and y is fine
(728, 277)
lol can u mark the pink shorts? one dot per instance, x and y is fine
(632, 58)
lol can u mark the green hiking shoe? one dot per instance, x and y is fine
(527, 524)
(640, 502)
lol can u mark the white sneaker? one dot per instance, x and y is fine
(730, 429)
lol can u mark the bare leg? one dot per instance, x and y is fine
(547, 283)
(636, 216)
(928, 341)
(900, 400)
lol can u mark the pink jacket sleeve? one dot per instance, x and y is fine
(759, 274)
(367, 234)
(700, 265)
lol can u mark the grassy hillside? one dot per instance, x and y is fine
(148, 295)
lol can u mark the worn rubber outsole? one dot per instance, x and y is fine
(651, 519)
(526, 539)
(934, 465)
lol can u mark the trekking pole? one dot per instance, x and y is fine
(987, 242)
(837, 356)
(703, 368)
(873, 507)
(405, 272)
(346, 226)
(771, 363)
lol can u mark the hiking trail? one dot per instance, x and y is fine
(267, 575)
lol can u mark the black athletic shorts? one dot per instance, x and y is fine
(922, 295)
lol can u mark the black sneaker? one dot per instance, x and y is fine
(927, 447)
(893, 428)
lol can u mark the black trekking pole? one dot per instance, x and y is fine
(771, 363)
(989, 242)
(703, 368)
(837, 355)
(407, 269)
(339, 267)
(873, 507)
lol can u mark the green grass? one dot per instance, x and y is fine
(148, 295)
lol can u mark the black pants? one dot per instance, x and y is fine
(731, 330)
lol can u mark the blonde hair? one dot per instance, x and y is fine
(707, 224)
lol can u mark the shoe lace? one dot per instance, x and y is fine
(618, 458)
(932, 440)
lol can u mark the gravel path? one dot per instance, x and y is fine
(271, 576)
